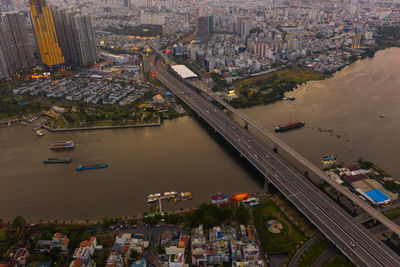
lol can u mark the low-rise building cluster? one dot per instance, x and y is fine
(59, 241)
(367, 183)
(219, 245)
(87, 90)
(83, 254)
(125, 244)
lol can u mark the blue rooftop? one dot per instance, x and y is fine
(377, 196)
(139, 263)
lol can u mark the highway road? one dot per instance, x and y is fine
(200, 84)
(349, 236)
(365, 206)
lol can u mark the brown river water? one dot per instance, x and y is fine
(354, 114)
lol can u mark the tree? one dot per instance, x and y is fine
(18, 222)
(242, 215)
(133, 254)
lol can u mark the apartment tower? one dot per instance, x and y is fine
(45, 32)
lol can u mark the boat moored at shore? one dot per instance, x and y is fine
(40, 133)
(169, 195)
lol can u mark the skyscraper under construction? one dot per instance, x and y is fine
(45, 33)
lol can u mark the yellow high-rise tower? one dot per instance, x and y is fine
(42, 17)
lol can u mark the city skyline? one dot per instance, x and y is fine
(179, 133)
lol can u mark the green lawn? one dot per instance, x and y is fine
(298, 75)
(313, 252)
(339, 261)
(285, 241)
(392, 215)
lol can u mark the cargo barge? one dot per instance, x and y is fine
(91, 167)
(289, 126)
(57, 160)
(62, 145)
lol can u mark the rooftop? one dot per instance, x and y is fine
(184, 71)
(377, 196)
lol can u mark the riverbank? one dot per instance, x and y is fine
(102, 127)
(352, 115)
(271, 87)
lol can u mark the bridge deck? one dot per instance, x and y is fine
(326, 215)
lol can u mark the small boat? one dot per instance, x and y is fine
(23, 123)
(57, 160)
(186, 195)
(329, 159)
(151, 200)
(153, 197)
(60, 145)
(219, 198)
(39, 133)
(240, 197)
(91, 167)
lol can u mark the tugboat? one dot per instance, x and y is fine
(91, 167)
(57, 160)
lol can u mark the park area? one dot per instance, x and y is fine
(284, 241)
(271, 87)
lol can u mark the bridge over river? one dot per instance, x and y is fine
(349, 236)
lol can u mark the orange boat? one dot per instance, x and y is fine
(240, 197)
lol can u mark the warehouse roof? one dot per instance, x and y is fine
(184, 71)
(354, 178)
(377, 196)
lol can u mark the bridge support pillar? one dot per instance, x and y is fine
(266, 185)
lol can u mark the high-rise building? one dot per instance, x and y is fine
(293, 44)
(243, 27)
(204, 28)
(6, 5)
(15, 47)
(45, 32)
(356, 39)
(127, 4)
(76, 36)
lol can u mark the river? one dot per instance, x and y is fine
(181, 155)
(355, 113)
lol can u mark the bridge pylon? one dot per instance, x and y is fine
(266, 185)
